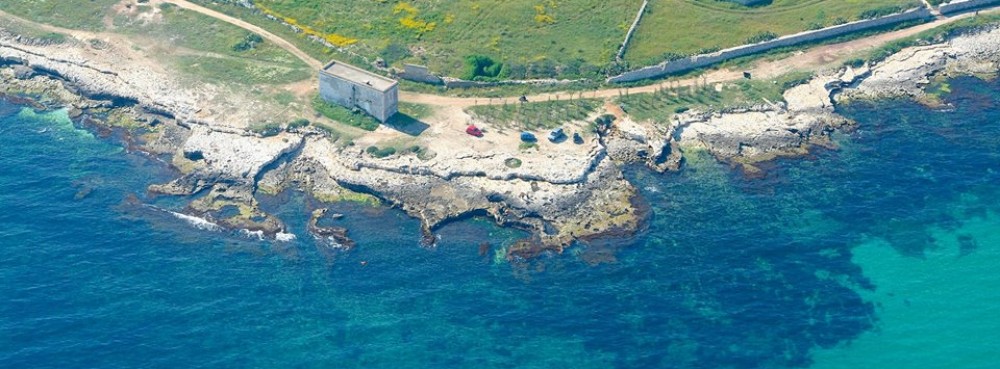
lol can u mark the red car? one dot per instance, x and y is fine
(472, 130)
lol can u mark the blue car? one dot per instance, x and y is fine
(557, 135)
(528, 137)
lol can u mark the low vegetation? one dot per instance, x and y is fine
(521, 39)
(530, 38)
(267, 129)
(298, 124)
(32, 32)
(354, 118)
(687, 27)
(212, 50)
(67, 14)
(535, 116)
(662, 105)
(380, 152)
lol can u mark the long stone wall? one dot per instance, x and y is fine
(963, 5)
(419, 73)
(704, 60)
(631, 30)
(461, 83)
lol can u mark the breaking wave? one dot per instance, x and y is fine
(200, 223)
(284, 237)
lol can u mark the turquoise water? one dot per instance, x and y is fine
(876, 255)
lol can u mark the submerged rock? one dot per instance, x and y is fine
(337, 234)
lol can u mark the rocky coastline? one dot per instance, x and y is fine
(561, 198)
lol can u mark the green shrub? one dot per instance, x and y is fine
(761, 37)
(380, 153)
(298, 123)
(481, 67)
(855, 63)
(333, 134)
(671, 56)
(267, 129)
(604, 120)
(513, 163)
(249, 42)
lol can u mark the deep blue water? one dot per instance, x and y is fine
(733, 272)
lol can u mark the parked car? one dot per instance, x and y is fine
(472, 130)
(557, 134)
(528, 137)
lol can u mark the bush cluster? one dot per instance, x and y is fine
(380, 153)
(761, 37)
(481, 67)
(249, 42)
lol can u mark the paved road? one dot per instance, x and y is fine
(813, 58)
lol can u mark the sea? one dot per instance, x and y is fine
(882, 253)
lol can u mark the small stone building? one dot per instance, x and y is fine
(352, 87)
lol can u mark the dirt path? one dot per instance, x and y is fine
(312, 62)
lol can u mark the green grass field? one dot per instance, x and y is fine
(212, 50)
(684, 27)
(31, 31)
(532, 38)
(79, 14)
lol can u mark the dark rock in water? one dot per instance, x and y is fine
(484, 248)
(428, 240)
(525, 249)
(966, 245)
(82, 193)
(337, 234)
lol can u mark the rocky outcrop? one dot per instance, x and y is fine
(905, 74)
(558, 210)
(559, 196)
(768, 130)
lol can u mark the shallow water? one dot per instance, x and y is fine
(878, 253)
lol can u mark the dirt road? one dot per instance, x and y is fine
(249, 27)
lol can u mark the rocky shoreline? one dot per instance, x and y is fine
(561, 198)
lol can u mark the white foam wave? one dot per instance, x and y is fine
(329, 242)
(200, 223)
(284, 237)
(249, 234)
